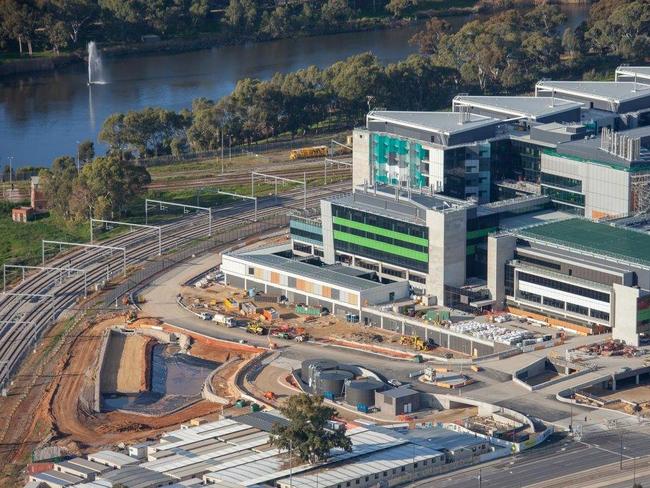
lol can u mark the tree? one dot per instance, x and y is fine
(308, 434)
(75, 14)
(397, 7)
(429, 38)
(18, 20)
(86, 151)
(57, 35)
(335, 12)
(241, 15)
(58, 183)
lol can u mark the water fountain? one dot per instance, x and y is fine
(95, 71)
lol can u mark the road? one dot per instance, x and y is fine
(561, 457)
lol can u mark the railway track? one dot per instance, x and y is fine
(23, 319)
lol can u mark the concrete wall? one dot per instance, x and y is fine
(606, 190)
(625, 314)
(329, 254)
(447, 250)
(500, 250)
(98, 372)
(361, 157)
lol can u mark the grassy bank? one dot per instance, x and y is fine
(20, 243)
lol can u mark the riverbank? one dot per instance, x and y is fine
(19, 66)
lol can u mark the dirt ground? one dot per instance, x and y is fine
(125, 364)
(53, 400)
(624, 399)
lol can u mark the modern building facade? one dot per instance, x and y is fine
(584, 276)
(494, 147)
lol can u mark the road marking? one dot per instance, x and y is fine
(596, 446)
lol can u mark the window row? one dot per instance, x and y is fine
(381, 238)
(382, 256)
(565, 287)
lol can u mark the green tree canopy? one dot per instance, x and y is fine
(308, 434)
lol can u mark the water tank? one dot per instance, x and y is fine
(330, 382)
(362, 391)
(310, 366)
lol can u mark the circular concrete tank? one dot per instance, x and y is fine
(362, 392)
(308, 366)
(330, 383)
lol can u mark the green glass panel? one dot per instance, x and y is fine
(420, 241)
(381, 246)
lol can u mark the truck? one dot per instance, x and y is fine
(220, 318)
(308, 152)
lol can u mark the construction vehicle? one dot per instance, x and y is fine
(415, 342)
(220, 318)
(255, 328)
(269, 395)
(308, 152)
(301, 338)
(131, 316)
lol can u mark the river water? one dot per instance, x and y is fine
(42, 116)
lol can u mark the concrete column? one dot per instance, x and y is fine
(613, 383)
(636, 379)
(500, 250)
(361, 170)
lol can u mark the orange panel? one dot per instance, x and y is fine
(326, 292)
(275, 277)
(595, 214)
(352, 299)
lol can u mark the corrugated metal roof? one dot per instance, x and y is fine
(137, 477)
(112, 457)
(369, 465)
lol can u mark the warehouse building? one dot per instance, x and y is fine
(577, 274)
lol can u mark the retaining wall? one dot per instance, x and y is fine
(98, 371)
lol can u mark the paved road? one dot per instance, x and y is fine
(559, 457)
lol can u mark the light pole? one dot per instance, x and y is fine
(11, 170)
(78, 165)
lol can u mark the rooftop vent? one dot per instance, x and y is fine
(620, 145)
(464, 114)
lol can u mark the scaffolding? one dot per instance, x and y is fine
(61, 271)
(131, 225)
(281, 178)
(90, 246)
(184, 206)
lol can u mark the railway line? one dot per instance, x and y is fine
(237, 178)
(28, 309)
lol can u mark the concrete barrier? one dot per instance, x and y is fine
(207, 391)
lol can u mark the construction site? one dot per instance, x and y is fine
(100, 357)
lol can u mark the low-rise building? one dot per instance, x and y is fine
(581, 275)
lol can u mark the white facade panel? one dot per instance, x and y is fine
(229, 265)
(564, 296)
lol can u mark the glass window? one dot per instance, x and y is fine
(561, 182)
(566, 287)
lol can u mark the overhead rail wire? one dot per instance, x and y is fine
(143, 226)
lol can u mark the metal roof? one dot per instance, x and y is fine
(442, 122)
(610, 91)
(399, 392)
(530, 107)
(439, 438)
(378, 462)
(642, 72)
(112, 458)
(55, 477)
(309, 271)
(594, 237)
(137, 477)
(262, 420)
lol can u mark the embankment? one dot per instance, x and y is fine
(126, 364)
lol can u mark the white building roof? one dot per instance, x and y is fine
(609, 91)
(442, 122)
(641, 72)
(529, 107)
(112, 458)
(370, 465)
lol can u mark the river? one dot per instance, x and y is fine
(42, 116)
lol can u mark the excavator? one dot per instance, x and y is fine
(415, 342)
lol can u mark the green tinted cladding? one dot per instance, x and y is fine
(381, 246)
(382, 232)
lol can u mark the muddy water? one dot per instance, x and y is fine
(176, 379)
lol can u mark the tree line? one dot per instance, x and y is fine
(503, 54)
(56, 25)
(99, 187)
